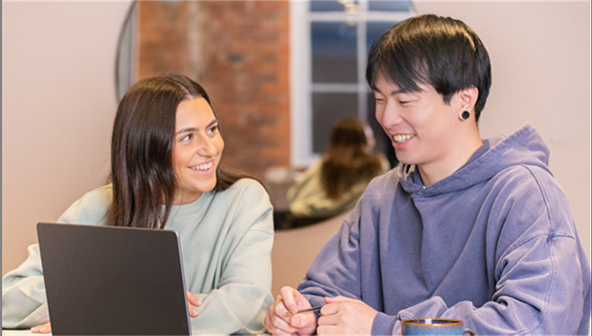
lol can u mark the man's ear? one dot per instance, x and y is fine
(468, 98)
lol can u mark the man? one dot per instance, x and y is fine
(465, 229)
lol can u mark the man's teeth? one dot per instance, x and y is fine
(402, 137)
(204, 166)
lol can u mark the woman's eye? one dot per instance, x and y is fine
(187, 137)
(212, 129)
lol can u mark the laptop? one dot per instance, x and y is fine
(103, 280)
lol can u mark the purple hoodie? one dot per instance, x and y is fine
(494, 244)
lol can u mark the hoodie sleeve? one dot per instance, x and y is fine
(542, 279)
(536, 295)
(335, 270)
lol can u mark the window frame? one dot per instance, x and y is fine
(301, 86)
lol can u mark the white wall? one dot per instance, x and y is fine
(540, 55)
(59, 100)
(58, 104)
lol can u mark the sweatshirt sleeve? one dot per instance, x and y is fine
(240, 301)
(24, 304)
(23, 294)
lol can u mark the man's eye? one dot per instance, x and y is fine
(407, 100)
(379, 100)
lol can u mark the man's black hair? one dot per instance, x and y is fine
(428, 49)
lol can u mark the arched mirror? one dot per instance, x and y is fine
(247, 53)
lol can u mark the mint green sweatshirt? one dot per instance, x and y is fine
(226, 240)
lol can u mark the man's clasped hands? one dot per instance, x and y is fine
(339, 315)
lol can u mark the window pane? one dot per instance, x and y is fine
(375, 29)
(326, 6)
(389, 6)
(333, 52)
(328, 108)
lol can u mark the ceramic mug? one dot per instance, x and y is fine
(434, 326)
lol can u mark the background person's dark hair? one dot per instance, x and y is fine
(142, 148)
(440, 51)
(347, 159)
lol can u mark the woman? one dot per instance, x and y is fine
(334, 184)
(165, 171)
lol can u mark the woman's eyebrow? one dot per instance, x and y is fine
(185, 130)
(212, 123)
(193, 129)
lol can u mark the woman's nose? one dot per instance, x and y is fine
(206, 147)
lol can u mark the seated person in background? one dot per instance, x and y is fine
(468, 229)
(165, 154)
(334, 184)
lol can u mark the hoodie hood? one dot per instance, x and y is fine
(524, 147)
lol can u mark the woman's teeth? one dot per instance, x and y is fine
(203, 166)
(399, 138)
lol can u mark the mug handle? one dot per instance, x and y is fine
(468, 331)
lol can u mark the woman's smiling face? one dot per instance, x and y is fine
(197, 149)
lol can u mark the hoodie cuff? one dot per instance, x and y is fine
(391, 325)
(383, 324)
(432, 307)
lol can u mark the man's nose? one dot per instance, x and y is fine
(391, 115)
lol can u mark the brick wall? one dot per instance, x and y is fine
(239, 51)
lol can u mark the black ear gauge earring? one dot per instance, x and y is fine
(465, 115)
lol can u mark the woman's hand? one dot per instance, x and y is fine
(192, 303)
(42, 329)
(282, 317)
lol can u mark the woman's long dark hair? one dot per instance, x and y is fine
(142, 173)
(347, 160)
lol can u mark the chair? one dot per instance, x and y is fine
(295, 249)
